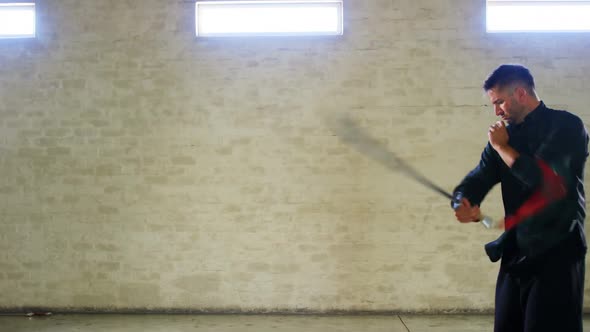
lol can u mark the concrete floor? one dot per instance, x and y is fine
(231, 323)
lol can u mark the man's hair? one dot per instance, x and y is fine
(506, 75)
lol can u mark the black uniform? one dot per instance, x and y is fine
(541, 280)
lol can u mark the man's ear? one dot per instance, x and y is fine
(520, 93)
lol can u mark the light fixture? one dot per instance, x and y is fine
(17, 20)
(538, 15)
(268, 18)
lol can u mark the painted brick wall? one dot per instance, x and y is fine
(143, 168)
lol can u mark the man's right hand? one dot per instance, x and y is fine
(467, 213)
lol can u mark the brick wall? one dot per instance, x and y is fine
(144, 168)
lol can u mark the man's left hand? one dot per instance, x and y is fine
(498, 135)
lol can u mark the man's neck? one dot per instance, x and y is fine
(533, 105)
(529, 106)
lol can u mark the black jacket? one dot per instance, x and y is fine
(559, 139)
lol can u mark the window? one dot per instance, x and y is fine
(268, 18)
(538, 15)
(17, 20)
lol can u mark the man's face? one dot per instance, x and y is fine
(506, 104)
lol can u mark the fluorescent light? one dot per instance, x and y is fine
(542, 16)
(17, 20)
(268, 18)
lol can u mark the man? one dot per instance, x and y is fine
(538, 155)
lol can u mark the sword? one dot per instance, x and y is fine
(352, 134)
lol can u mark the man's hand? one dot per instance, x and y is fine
(498, 135)
(467, 213)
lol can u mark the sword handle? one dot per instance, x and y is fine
(487, 221)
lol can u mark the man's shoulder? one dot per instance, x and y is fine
(563, 117)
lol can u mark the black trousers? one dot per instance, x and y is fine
(547, 298)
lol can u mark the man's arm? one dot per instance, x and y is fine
(508, 154)
(475, 186)
(566, 143)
